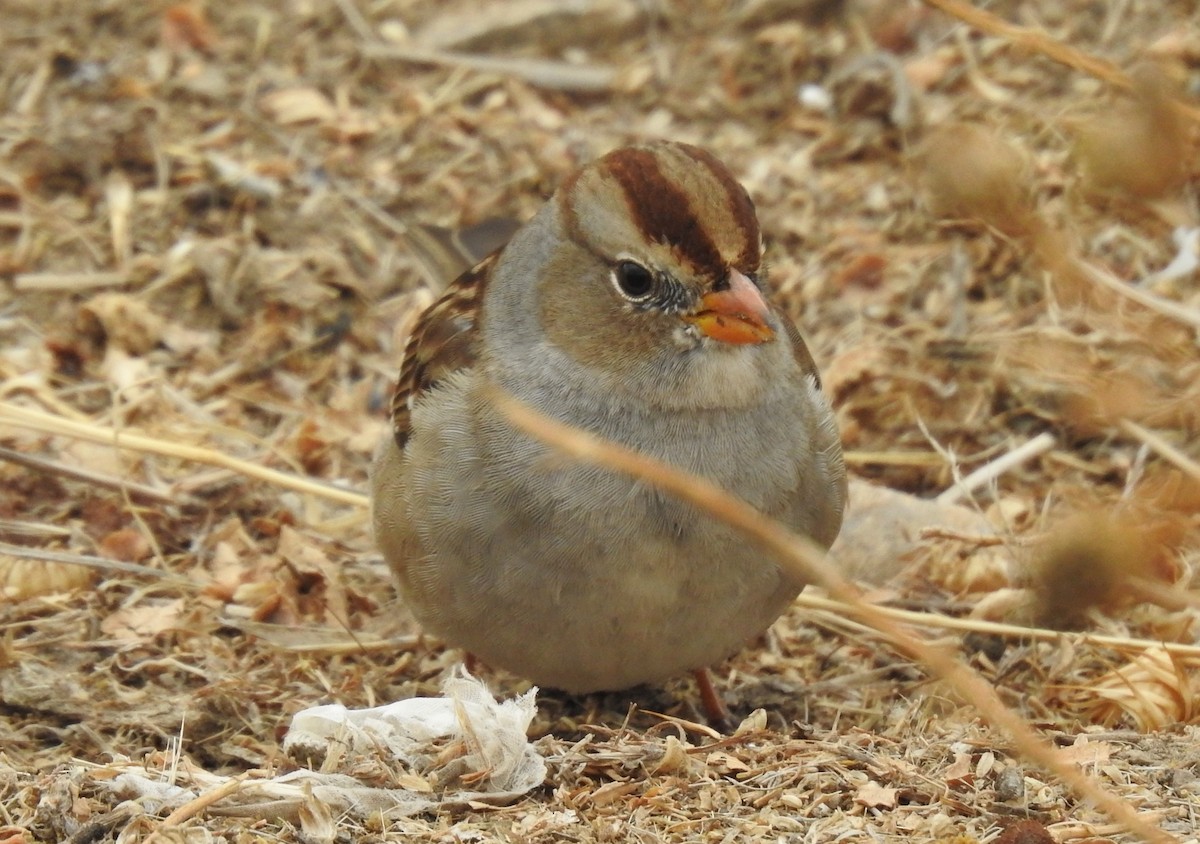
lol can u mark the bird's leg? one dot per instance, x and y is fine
(471, 663)
(714, 707)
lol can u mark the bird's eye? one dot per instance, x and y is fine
(633, 280)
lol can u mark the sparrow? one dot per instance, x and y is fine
(633, 305)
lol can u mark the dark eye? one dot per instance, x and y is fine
(633, 280)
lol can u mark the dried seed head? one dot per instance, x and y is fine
(1094, 560)
(1139, 147)
(969, 172)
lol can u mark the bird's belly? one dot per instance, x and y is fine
(577, 577)
(596, 598)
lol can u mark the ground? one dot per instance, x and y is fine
(218, 221)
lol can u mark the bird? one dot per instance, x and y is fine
(634, 305)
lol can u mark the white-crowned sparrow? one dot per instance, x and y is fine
(632, 306)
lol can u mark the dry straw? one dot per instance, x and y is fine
(807, 561)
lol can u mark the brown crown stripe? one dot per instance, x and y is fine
(741, 207)
(661, 209)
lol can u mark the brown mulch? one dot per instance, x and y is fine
(217, 222)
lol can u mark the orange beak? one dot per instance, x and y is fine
(737, 314)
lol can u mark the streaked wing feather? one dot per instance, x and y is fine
(826, 439)
(443, 342)
(799, 348)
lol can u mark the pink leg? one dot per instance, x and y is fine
(714, 707)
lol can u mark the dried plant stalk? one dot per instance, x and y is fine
(804, 558)
(51, 424)
(1037, 41)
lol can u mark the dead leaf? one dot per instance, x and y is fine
(316, 587)
(143, 622)
(875, 796)
(675, 758)
(960, 769)
(612, 791)
(725, 762)
(293, 106)
(1085, 752)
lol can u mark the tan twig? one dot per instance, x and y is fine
(1062, 260)
(1040, 42)
(96, 479)
(544, 73)
(1016, 631)
(1161, 447)
(690, 726)
(1146, 299)
(893, 458)
(100, 563)
(803, 558)
(1154, 592)
(43, 282)
(987, 473)
(1074, 830)
(979, 540)
(49, 423)
(199, 804)
(1034, 41)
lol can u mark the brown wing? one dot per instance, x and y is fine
(442, 342)
(828, 442)
(800, 348)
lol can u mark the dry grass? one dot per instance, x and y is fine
(210, 252)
